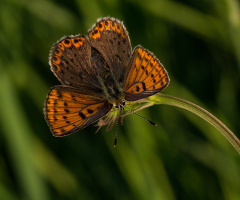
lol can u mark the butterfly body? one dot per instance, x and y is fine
(98, 72)
(113, 91)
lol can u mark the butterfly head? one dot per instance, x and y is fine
(121, 105)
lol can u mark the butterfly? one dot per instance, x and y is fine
(98, 72)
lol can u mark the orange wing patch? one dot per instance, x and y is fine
(105, 25)
(67, 110)
(147, 75)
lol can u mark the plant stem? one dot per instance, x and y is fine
(174, 101)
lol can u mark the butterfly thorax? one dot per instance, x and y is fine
(112, 88)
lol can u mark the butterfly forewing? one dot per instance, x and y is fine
(111, 39)
(68, 109)
(146, 75)
(71, 62)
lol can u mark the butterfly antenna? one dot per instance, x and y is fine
(115, 141)
(141, 117)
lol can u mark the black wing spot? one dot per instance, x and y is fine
(82, 115)
(144, 86)
(137, 88)
(160, 75)
(57, 51)
(66, 41)
(90, 111)
(146, 72)
(66, 110)
(55, 58)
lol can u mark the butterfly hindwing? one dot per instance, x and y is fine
(146, 75)
(68, 110)
(111, 39)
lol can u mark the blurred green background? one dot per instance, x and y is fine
(182, 158)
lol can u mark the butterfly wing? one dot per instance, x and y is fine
(72, 63)
(111, 39)
(68, 110)
(146, 75)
